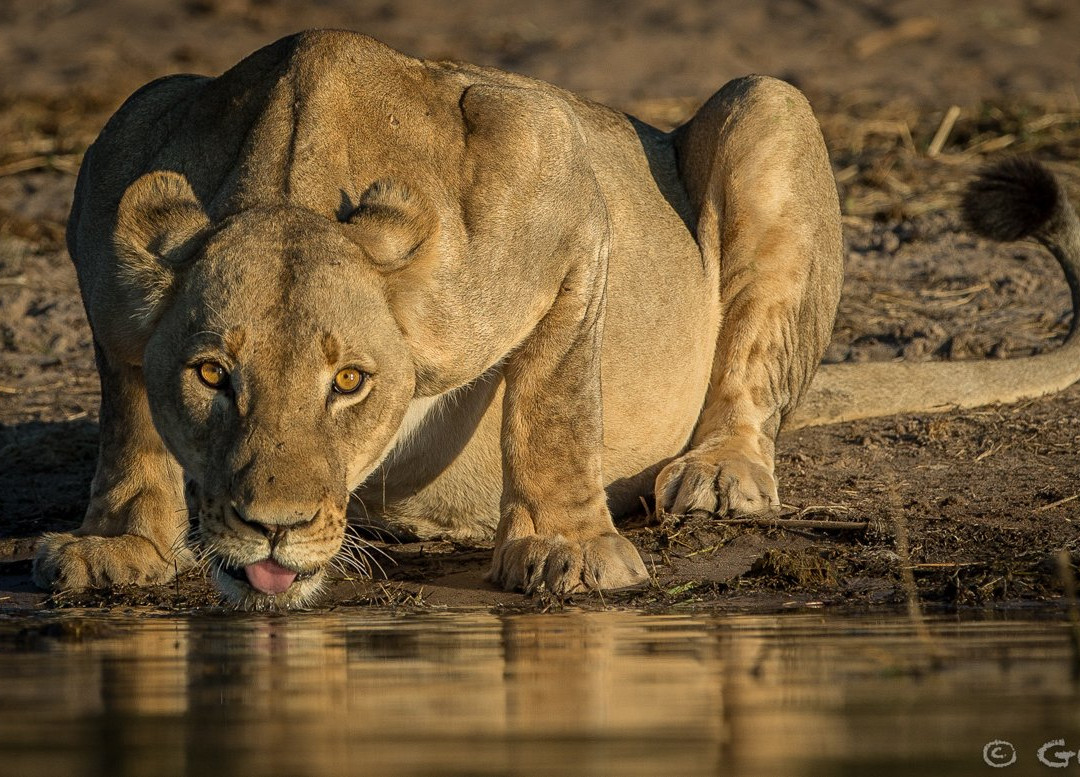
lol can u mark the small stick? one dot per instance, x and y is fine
(796, 523)
(943, 131)
(915, 614)
(1052, 505)
(991, 144)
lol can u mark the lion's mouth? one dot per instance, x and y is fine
(267, 576)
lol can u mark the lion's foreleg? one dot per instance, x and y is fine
(555, 530)
(756, 168)
(136, 523)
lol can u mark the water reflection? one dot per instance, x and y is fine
(577, 693)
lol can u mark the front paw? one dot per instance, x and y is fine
(717, 484)
(67, 562)
(562, 566)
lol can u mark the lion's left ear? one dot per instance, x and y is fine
(391, 223)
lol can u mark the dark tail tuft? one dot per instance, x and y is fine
(1012, 199)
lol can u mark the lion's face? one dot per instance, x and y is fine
(278, 377)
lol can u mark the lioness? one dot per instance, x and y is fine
(483, 305)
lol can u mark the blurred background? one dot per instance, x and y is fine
(882, 75)
(614, 50)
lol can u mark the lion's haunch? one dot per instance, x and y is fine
(269, 577)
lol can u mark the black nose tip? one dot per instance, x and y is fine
(273, 533)
(273, 523)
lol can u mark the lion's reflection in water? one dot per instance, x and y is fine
(575, 693)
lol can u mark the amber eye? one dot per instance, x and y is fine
(348, 380)
(212, 374)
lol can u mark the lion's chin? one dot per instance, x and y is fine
(234, 586)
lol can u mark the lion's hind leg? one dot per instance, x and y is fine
(755, 166)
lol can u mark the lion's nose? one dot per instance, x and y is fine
(274, 519)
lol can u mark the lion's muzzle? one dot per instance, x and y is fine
(270, 553)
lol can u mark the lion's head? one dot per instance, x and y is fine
(276, 371)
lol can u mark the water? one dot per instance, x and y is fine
(606, 693)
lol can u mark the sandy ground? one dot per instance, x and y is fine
(974, 505)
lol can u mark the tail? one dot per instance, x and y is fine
(1013, 199)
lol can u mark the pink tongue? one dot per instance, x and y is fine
(269, 577)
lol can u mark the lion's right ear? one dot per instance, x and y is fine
(159, 223)
(159, 226)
